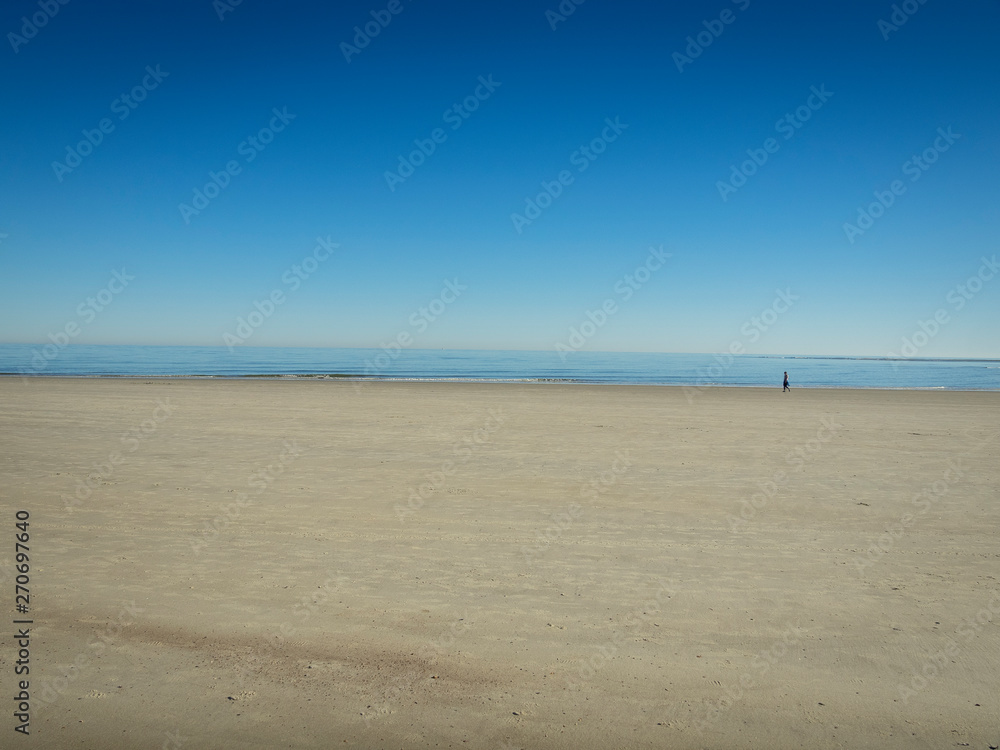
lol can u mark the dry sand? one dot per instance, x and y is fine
(589, 571)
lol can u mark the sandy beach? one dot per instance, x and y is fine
(304, 564)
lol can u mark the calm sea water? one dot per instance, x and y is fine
(584, 367)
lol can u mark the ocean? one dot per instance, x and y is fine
(499, 366)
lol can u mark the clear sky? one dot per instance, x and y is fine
(516, 90)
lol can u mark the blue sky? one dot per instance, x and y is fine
(684, 125)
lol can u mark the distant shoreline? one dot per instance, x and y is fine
(405, 364)
(354, 378)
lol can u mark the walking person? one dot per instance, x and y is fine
(786, 388)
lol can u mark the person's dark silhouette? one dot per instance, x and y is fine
(786, 388)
